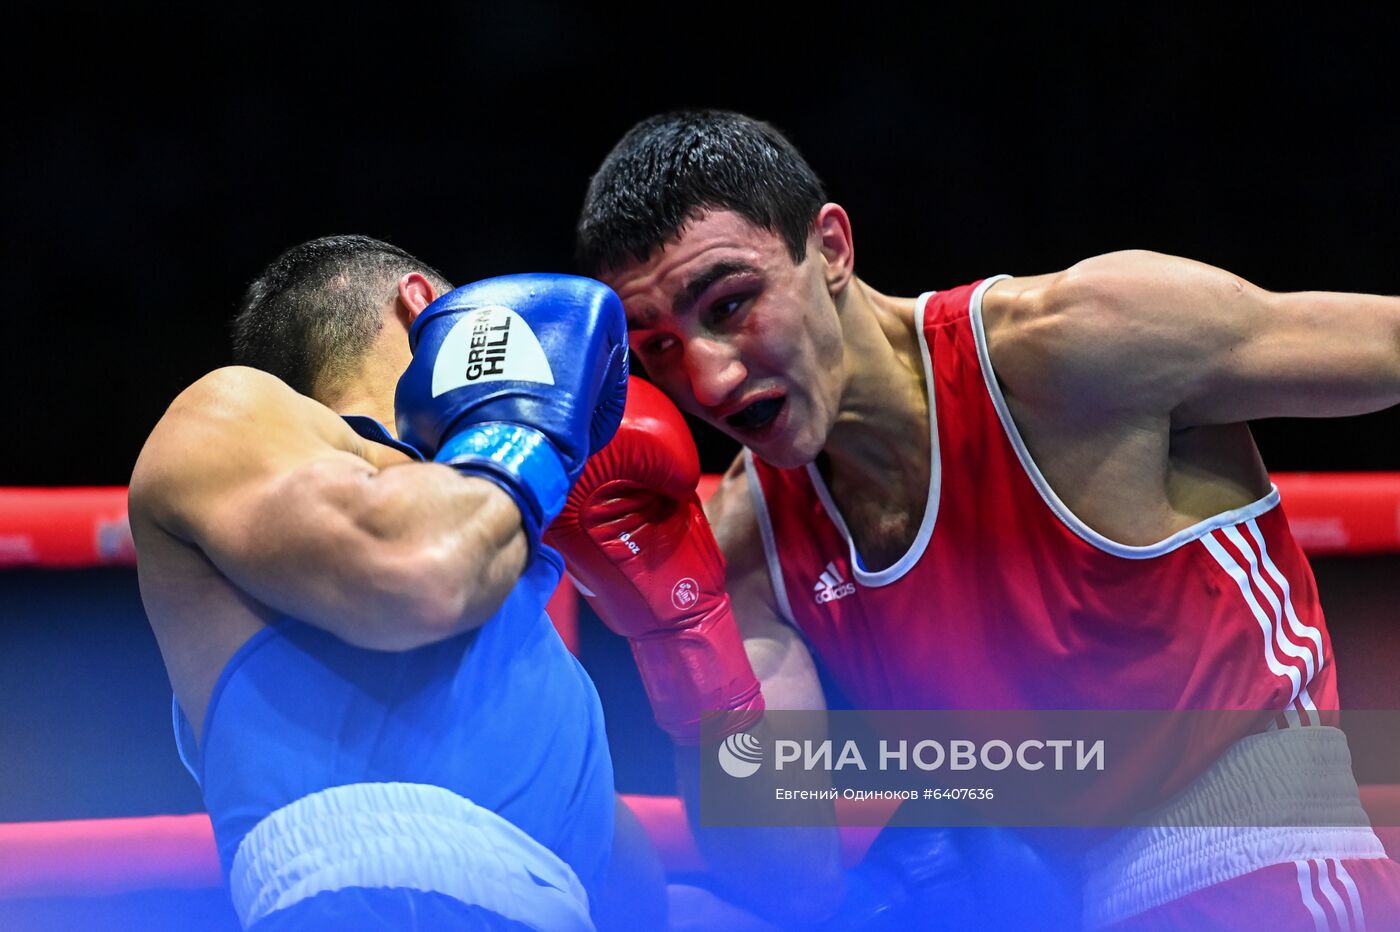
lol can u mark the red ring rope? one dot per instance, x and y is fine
(1352, 513)
(101, 857)
(79, 527)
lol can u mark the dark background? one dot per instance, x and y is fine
(155, 157)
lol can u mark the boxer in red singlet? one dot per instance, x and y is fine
(1034, 492)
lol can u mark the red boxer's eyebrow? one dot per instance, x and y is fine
(706, 277)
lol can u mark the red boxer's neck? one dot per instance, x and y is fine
(876, 458)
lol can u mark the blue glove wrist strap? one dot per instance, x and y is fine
(519, 458)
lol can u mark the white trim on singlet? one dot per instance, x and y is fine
(1067, 517)
(910, 559)
(770, 541)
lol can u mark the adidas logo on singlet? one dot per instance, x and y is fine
(831, 585)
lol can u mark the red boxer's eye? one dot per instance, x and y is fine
(728, 307)
(656, 345)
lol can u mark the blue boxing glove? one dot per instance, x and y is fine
(517, 379)
(911, 878)
(971, 879)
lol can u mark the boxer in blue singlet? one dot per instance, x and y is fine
(385, 727)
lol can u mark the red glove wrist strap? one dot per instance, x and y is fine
(697, 669)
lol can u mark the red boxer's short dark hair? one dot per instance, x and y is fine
(669, 168)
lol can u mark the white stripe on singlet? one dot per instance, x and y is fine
(1329, 892)
(1353, 895)
(1233, 569)
(1312, 662)
(1319, 918)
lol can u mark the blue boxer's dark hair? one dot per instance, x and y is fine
(315, 310)
(669, 168)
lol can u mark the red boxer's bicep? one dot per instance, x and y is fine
(1136, 333)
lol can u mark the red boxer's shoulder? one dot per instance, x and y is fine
(731, 514)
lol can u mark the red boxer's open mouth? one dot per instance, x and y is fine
(757, 415)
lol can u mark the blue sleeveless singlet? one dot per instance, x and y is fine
(503, 716)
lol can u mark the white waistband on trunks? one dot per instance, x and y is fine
(406, 835)
(1293, 787)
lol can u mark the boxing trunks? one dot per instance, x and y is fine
(461, 785)
(1006, 600)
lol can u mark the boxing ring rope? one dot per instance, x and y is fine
(1329, 514)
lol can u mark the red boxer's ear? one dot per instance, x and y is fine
(833, 232)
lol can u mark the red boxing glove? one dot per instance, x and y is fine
(635, 537)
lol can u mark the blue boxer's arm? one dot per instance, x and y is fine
(517, 379)
(247, 479)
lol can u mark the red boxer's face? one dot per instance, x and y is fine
(740, 336)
